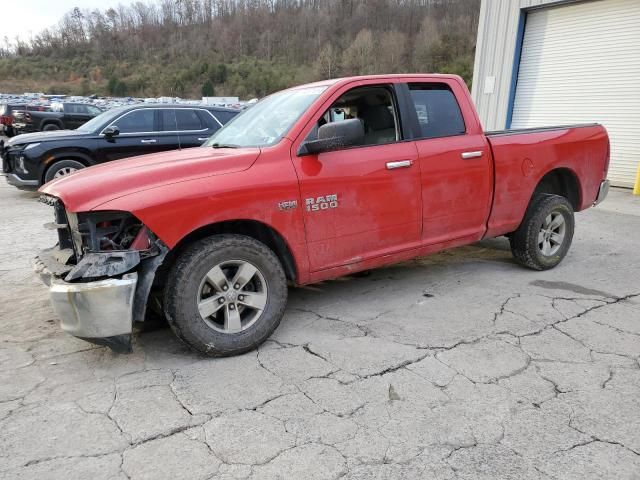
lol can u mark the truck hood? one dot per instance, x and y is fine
(91, 187)
(45, 137)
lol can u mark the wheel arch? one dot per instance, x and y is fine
(51, 121)
(251, 228)
(76, 155)
(563, 182)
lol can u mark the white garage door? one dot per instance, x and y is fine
(581, 63)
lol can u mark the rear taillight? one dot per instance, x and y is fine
(607, 159)
(6, 120)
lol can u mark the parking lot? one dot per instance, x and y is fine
(459, 365)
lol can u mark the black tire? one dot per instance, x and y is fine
(525, 245)
(60, 166)
(183, 292)
(49, 127)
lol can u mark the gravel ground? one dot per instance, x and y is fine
(459, 365)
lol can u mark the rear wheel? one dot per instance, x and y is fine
(62, 168)
(50, 126)
(225, 295)
(544, 237)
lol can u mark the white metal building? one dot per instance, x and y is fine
(542, 62)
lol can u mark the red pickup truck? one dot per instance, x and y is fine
(311, 183)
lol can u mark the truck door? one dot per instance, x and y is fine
(74, 115)
(360, 202)
(455, 163)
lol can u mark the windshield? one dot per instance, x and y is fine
(267, 121)
(96, 122)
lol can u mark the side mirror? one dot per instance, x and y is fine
(111, 131)
(334, 136)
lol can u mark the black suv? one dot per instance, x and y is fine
(32, 159)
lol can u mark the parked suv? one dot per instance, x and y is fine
(33, 159)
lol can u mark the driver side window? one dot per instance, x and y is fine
(137, 121)
(373, 106)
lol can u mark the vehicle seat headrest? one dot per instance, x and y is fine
(377, 118)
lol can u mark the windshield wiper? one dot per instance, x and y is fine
(223, 145)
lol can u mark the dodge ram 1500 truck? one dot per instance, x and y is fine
(311, 183)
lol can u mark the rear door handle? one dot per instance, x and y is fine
(469, 155)
(148, 141)
(399, 164)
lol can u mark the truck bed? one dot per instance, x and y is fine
(516, 131)
(522, 157)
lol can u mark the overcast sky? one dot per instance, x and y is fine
(25, 18)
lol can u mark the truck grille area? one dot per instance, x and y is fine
(61, 221)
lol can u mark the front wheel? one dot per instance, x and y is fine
(62, 168)
(544, 237)
(225, 295)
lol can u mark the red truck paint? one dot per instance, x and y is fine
(383, 216)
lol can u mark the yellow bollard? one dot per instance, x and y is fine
(636, 188)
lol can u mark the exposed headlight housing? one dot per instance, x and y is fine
(99, 232)
(107, 231)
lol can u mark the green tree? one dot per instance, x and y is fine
(218, 73)
(207, 89)
(111, 85)
(121, 89)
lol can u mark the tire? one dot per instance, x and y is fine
(537, 246)
(49, 127)
(194, 285)
(61, 168)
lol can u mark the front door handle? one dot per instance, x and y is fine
(469, 155)
(148, 141)
(202, 139)
(399, 164)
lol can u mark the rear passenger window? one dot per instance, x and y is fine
(438, 110)
(224, 116)
(188, 120)
(168, 120)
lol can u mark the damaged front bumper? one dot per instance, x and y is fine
(102, 311)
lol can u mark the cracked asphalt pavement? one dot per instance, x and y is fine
(461, 365)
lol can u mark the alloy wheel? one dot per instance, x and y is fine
(551, 235)
(64, 171)
(232, 296)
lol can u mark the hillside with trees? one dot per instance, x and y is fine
(247, 48)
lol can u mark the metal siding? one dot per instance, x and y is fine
(495, 47)
(580, 63)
